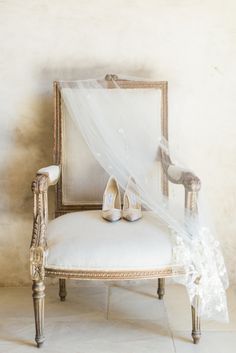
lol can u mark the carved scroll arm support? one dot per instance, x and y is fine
(45, 177)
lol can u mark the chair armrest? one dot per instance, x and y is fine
(179, 175)
(45, 177)
(53, 173)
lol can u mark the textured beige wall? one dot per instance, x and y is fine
(190, 43)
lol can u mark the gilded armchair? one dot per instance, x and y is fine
(51, 254)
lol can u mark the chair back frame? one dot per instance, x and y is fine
(108, 82)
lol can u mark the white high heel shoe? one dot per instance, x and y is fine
(132, 204)
(111, 208)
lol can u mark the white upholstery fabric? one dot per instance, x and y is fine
(53, 172)
(83, 240)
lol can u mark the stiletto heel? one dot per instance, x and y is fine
(111, 208)
(131, 204)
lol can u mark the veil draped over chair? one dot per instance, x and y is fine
(106, 118)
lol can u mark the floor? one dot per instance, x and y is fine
(115, 318)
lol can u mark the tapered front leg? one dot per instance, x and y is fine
(196, 323)
(161, 288)
(38, 300)
(62, 289)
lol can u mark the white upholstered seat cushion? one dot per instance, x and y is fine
(84, 241)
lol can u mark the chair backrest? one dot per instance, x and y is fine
(83, 180)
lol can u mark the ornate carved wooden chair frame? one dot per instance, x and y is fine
(40, 186)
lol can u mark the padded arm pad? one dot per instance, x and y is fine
(53, 173)
(175, 172)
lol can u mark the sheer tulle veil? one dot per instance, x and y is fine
(105, 126)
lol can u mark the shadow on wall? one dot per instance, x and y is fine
(32, 149)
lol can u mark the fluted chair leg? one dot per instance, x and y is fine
(62, 289)
(161, 288)
(196, 323)
(38, 301)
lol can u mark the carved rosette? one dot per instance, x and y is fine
(37, 262)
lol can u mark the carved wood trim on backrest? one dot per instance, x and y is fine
(108, 83)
